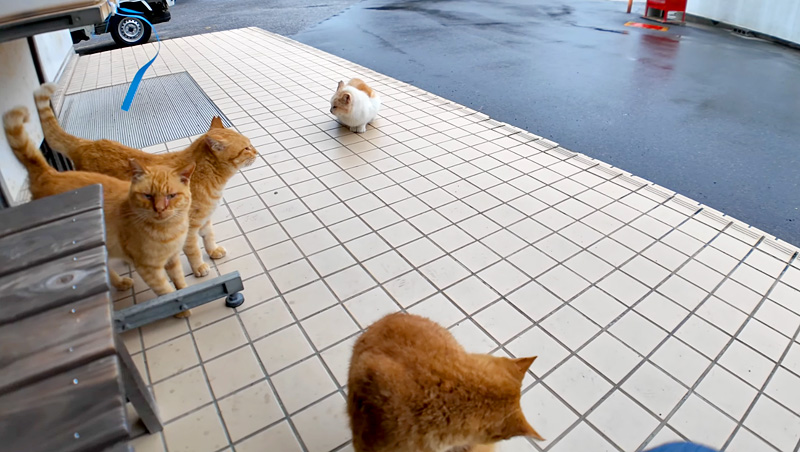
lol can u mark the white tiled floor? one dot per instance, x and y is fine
(654, 318)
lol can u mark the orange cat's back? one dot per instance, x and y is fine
(55, 183)
(390, 361)
(360, 85)
(413, 388)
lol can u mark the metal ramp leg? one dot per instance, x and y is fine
(168, 305)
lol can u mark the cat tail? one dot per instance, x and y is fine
(56, 137)
(26, 150)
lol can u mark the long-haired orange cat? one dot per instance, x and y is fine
(218, 154)
(413, 388)
(146, 219)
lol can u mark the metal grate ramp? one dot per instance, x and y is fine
(166, 108)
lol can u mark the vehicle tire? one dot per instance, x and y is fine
(129, 31)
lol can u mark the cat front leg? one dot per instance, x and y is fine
(118, 281)
(359, 129)
(175, 272)
(155, 278)
(214, 251)
(192, 250)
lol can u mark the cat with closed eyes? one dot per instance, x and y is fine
(355, 104)
(146, 218)
(218, 154)
(411, 387)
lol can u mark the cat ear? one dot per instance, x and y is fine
(340, 86)
(523, 364)
(186, 173)
(527, 430)
(346, 98)
(137, 170)
(216, 123)
(215, 144)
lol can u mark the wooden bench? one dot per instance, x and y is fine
(65, 375)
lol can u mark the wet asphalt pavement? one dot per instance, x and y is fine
(192, 17)
(702, 112)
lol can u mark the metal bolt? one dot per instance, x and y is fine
(74, 287)
(70, 349)
(74, 258)
(72, 310)
(74, 220)
(75, 381)
(74, 242)
(77, 435)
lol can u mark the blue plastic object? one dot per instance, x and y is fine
(681, 447)
(137, 79)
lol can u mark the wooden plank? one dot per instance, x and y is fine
(51, 208)
(57, 340)
(136, 391)
(53, 284)
(52, 240)
(78, 410)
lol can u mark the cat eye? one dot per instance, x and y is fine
(172, 195)
(148, 197)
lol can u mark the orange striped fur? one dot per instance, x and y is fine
(218, 155)
(412, 387)
(146, 218)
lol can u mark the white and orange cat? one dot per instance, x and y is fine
(146, 219)
(355, 104)
(218, 154)
(412, 388)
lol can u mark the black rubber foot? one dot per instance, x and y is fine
(234, 300)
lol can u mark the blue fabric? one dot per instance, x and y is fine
(137, 79)
(681, 447)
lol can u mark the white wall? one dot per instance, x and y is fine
(54, 48)
(17, 81)
(778, 18)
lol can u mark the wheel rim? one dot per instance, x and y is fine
(130, 29)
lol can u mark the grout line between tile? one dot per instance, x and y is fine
(740, 422)
(732, 339)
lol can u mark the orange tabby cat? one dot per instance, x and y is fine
(219, 154)
(413, 388)
(146, 219)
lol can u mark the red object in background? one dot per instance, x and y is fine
(665, 6)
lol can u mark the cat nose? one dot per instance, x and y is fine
(160, 204)
(332, 109)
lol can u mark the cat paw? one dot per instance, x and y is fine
(359, 129)
(124, 284)
(183, 314)
(218, 253)
(201, 270)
